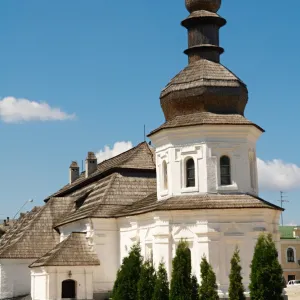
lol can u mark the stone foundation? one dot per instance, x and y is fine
(102, 296)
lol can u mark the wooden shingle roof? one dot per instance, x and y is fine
(193, 202)
(202, 73)
(73, 251)
(140, 157)
(33, 234)
(107, 196)
(117, 183)
(205, 118)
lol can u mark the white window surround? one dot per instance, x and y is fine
(295, 255)
(163, 159)
(192, 189)
(233, 186)
(163, 191)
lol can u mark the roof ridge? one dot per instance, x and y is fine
(78, 182)
(116, 156)
(151, 153)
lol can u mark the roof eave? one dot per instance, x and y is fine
(203, 124)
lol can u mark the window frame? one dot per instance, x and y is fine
(187, 169)
(293, 257)
(164, 176)
(228, 165)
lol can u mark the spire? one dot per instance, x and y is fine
(205, 86)
(203, 26)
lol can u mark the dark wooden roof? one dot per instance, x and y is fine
(204, 85)
(197, 202)
(205, 118)
(73, 251)
(202, 73)
(107, 196)
(33, 234)
(117, 183)
(140, 157)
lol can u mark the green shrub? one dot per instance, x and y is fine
(208, 287)
(181, 273)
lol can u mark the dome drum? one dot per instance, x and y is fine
(210, 52)
(203, 17)
(231, 100)
(203, 36)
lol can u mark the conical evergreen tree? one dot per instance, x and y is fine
(146, 282)
(266, 273)
(161, 290)
(125, 287)
(208, 286)
(181, 274)
(195, 288)
(236, 288)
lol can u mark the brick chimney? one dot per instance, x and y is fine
(73, 172)
(90, 164)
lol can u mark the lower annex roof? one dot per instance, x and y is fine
(73, 251)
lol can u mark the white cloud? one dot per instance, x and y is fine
(14, 110)
(292, 223)
(117, 149)
(276, 175)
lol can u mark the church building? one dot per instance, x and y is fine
(198, 183)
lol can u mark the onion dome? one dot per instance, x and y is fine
(204, 85)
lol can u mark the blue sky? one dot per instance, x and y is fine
(103, 64)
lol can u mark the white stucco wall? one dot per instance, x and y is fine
(213, 233)
(103, 236)
(14, 277)
(78, 226)
(47, 282)
(206, 144)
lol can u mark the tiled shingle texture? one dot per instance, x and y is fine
(33, 234)
(73, 251)
(194, 202)
(140, 157)
(205, 118)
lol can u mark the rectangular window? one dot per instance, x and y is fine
(225, 175)
(291, 277)
(190, 177)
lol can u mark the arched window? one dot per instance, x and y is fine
(290, 255)
(225, 170)
(165, 175)
(190, 173)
